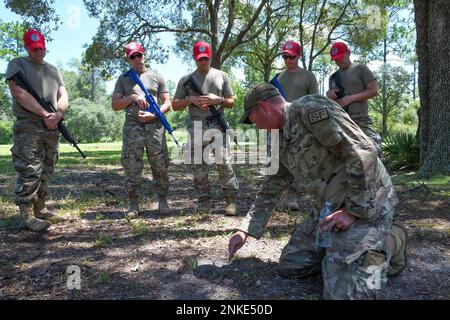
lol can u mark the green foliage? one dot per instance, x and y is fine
(391, 96)
(39, 14)
(11, 40)
(102, 278)
(178, 119)
(403, 119)
(234, 114)
(5, 99)
(401, 150)
(6, 131)
(10, 47)
(92, 122)
(225, 25)
(102, 241)
(83, 81)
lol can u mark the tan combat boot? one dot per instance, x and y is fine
(230, 209)
(133, 208)
(163, 205)
(40, 209)
(291, 201)
(32, 223)
(204, 206)
(396, 243)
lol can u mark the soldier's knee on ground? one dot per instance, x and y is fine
(363, 279)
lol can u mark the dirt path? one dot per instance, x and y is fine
(182, 255)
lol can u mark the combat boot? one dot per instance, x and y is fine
(396, 243)
(32, 223)
(133, 208)
(204, 206)
(163, 205)
(230, 209)
(40, 209)
(291, 201)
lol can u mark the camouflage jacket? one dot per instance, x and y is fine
(328, 157)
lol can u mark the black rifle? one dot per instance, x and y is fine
(216, 114)
(20, 80)
(338, 81)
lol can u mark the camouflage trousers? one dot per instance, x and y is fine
(200, 147)
(35, 154)
(365, 123)
(151, 137)
(356, 265)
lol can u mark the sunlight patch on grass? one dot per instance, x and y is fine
(434, 224)
(7, 206)
(102, 241)
(140, 228)
(410, 179)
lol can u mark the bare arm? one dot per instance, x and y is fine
(228, 102)
(371, 91)
(119, 102)
(165, 99)
(180, 104)
(61, 107)
(63, 100)
(365, 95)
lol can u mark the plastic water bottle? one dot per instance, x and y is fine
(324, 239)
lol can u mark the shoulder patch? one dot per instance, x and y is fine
(318, 115)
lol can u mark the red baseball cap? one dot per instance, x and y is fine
(337, 51)
(201, 49)
(33, 39)
(292, 48)
(133, 47)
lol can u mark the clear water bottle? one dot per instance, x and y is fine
(324, 239)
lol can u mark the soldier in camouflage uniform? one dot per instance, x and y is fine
(36, 138)
(359, 85)
(328, 156)
(142, 130)
(216, 87)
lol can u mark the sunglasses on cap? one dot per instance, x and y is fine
(285, 56)
(137, 55)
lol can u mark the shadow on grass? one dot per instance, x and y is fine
(256, 279)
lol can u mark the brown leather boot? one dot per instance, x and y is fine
(396, 243)
(163, 205)
(32, 223)
(40, 209)
(230, 209)
(133, 208)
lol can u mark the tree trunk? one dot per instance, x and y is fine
(414, 81)
(93, 86)
(267, 71)
(383, 88)
(433, 51)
